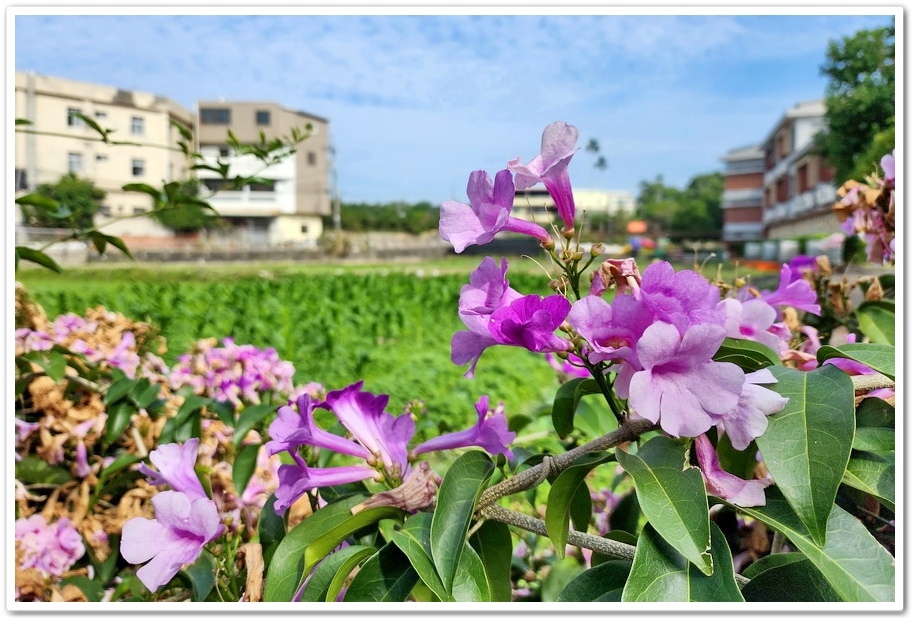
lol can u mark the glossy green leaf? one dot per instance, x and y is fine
(875, 412)
(122, 462)
(661, 573)
(562, 493)
(385, 576)
(461, 487)
(271, 529)
(36, 257)
(602, 582)
(493, 543)
(326, 583)
(673, 497)
(470, 578)
(92, 589)
(561, 573)
(243, 467)
(874, 474)
(875, 439)
(851, 560)
(249, 418)
(33, 470)
(287, 565)
(144, 394)
(202, 575)
(806, 445)
(746, 354)
(786, 577)
(414, 540)
(566, 401)
(879, 357)
(324, 543)
(876, 320)
(118, 420)
(119, 389)
(53, 363)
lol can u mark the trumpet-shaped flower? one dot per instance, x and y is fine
(183, 525)
(751, 320)
(551, 167)
(292, 429)
(748, 420)
(611, 329)
(488, 214)
(793, 292)
(490, 432)
(176, 468)
(530, 322)
(680, 386)
(725, 485)
(681, 298)
(297, 479)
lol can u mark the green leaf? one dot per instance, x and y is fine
(243, 467)
(874, 439)
(386, 576)
(461, 487)
(92, 589)
(602, 582)
(566, 401)
(786, 577)
(146, 396)
(249, 418)
(202, 574)
(33, 470)
(876, 320)
(119, 244)
(99, 240)
(118, 420)
(851, 560)
(561, 573)
(749, 355)
(470, 578)
(414, 540)
(331, 573)
(874, 474)
(493, 543)
(119, 464)
(875, 412)
(673, 497)
(36, 257)
(53, 363)
(807, 445)
(119, 389)
(40, 201)
(562, 493)
(878, 357)
(271, 529)
(284, 575)
(191, 405)
(661, 573)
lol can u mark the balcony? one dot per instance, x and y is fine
(822, 195)
(252, 203)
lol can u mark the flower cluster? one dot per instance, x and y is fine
(50, 549)
(232, 372)
(379, 439)
(867, 209)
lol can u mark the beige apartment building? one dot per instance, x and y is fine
(286, 207)
(57, 142)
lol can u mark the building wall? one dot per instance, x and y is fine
(741, 181)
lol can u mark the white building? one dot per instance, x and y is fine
(535, 203)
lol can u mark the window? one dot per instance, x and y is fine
(100, 114)
(139, 211)
(104, 211)
(137, 167)
(22, 180)
(262, 186)
(72, 120)
(262, 117)
(136, 125)
(304, 229)
(312, 159)
(75, 162)
(214, 184)
(101, 158)
(223, 152)
(219, 116)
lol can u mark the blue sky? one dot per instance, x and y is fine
(416, 102)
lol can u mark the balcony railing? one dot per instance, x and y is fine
(822, 195)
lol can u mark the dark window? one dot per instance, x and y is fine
(223, 152)
(262, 117)
(136, 125)
(305, 229)
(22, 180)
(215, 184)
(137, 167)
(72, 120)
(268, 186)
(215, 116)
(312, 158)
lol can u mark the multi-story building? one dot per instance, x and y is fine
(798, 185)
(742, 199)
(57, 141)
(286, 206)
(536, 204)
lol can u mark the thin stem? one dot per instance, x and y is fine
(629, 430)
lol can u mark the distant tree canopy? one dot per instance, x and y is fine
(77, 201)
(695, 211)
(399, 216)
(859, 101)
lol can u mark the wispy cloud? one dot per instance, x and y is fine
(418, 101)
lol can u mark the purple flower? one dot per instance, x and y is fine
(622, 273)
(751, 320)
(748, 420)
(888, 166)
(491, 432)
(488, 289)
(530, 321)
(551, 167)
(296, 479)
(725, 485)
(292, 429)
(791, 292)
(176, 468)
(611, 329)
(680, 386)
(49, 549)
(681, 298)
(182, 527)
(800, 264)
(382, 434)
(488, 214)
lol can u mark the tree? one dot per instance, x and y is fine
(73, 203)
(186, 215)
(859, 97)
